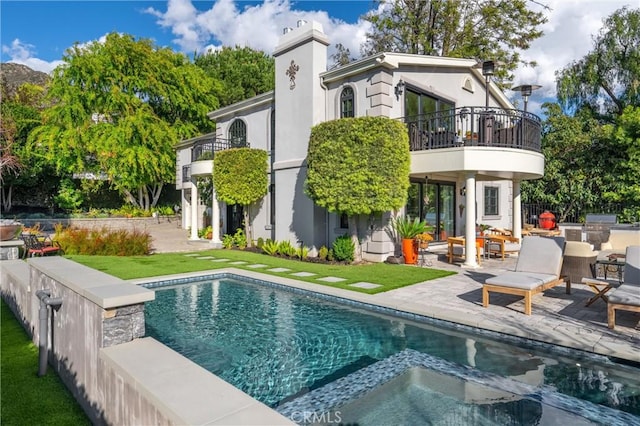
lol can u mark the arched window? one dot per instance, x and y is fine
(238, 134)
(347, 103)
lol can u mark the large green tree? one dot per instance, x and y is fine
(118, 107)
(240, 177)
(577, 162)
(358, 166)
(608, 77)
(485, 29)
(241, 72)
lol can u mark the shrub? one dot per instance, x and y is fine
(408, 229)
(330, 255)
(302, 252)
(270, 247)
(239, 239)
(227, 241)
(260, 243)
(323, 253)
(103, 241)
(205, 232)
(286, 249)
(344, 249)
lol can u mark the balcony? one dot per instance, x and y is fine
(205, 148)
(475, 126)
(491, 143)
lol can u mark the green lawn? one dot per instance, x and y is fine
(25, 398)
(386, 275)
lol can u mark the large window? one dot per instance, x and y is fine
(428, 112)
(238, 134)
(435, 203)
(491, 198)
(347, 103)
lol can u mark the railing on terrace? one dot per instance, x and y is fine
(570, 213)
(186, 173)
(474, 126)
(205, 148)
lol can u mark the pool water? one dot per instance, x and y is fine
(278, 345)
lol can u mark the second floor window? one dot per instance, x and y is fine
(347, 103)
(238, 134)
(491, 200)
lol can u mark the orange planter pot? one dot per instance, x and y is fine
(410, 251)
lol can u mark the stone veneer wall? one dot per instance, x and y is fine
(98, 311)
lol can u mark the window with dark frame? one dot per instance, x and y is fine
(238, 134)
(344, 221)
(491, 198)
(347, 103)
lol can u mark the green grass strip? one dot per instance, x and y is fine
(388, 276)
(26, 398)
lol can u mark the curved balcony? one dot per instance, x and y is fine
(204, 149)
(475, 126)
(492, 143)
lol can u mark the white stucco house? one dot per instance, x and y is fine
(467, 161)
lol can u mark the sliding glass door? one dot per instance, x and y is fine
(435, 203)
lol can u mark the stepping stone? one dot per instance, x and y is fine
(256, 266)
(279, 270)
(366, 285)
(192, 254)
(331, 279)
(205, 257)
(220, 260)
(304, 274)
(238, 262)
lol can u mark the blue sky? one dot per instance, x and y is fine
(36, 33)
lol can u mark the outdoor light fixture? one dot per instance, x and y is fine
(525, 90)
(400, 88)
(488, 67)
(463, 191)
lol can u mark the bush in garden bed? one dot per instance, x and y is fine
(103, 241)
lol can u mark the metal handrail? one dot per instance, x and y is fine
(205, 148)
(475, 126)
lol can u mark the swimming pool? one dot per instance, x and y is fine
(284, 347)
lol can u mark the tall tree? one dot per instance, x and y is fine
(577, 162)
(358, 166)
(608, 77)
(240, 72)
(485, 29)
(240, 177)
(118, 108)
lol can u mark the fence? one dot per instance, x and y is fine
(566, 213)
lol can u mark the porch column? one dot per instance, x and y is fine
(215, 220)
(470, 218)
(194, 210)
(517, 211)
(186, 210)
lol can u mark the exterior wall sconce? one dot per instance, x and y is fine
(400, 88)
(525, 90)
(463, 191)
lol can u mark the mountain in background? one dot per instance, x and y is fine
(13, 76)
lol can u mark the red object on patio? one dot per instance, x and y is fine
(547, 220)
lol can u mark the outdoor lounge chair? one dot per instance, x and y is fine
(33, 246)
(537, 269)
(627, 296)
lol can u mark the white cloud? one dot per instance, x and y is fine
(568, 36)
(23, 53)
(257, 26)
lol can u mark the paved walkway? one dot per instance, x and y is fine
(557, 317)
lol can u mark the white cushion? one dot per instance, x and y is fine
(521, 280)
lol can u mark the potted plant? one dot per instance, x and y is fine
(423, 240)
(407, 230)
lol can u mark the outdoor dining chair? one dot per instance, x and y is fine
(34, 247)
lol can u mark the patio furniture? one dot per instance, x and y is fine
(455, 248)
(503, 245)
(619, 240)
(578, 263)
(36, 247)
(627, 296)
(538, 269)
